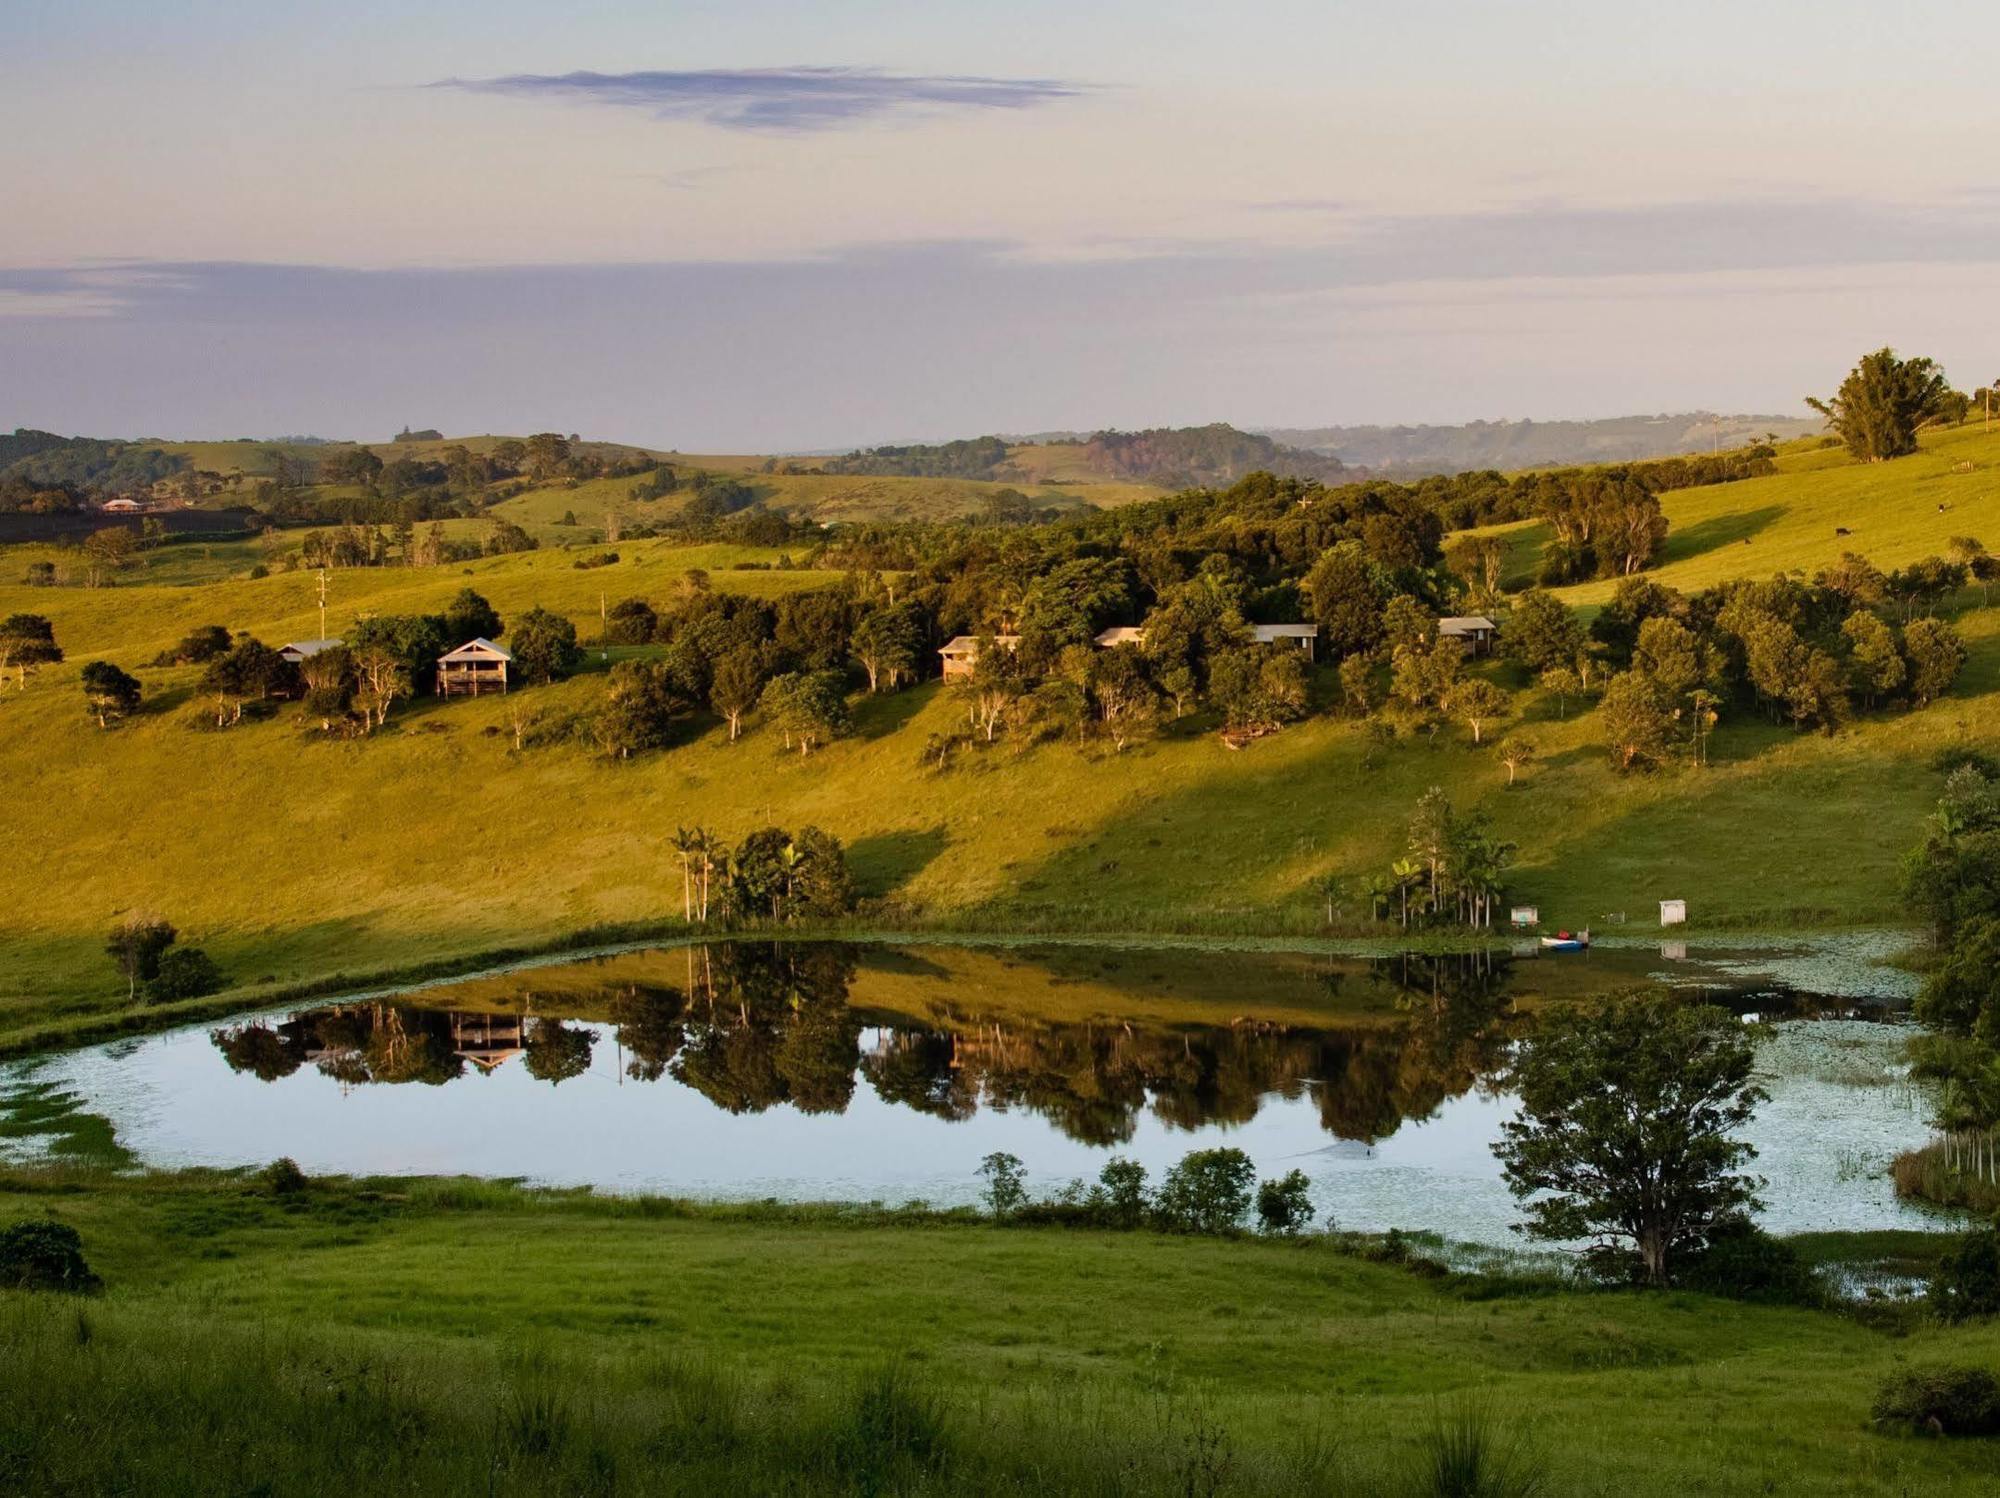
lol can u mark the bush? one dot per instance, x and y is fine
(1464, 1454)
(1743, 1262)
(1946, 1400)
(184, 973)
(45, 1256)
(1967, 1281)
(1005, 1189)
(282, 1177)
(1283, 1205)
(1208, 1192)
(1957, 756)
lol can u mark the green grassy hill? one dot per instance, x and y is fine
(292, 857)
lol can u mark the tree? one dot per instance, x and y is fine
(1934, 653)
(381, 676)
(45, 1255)
(641, 704)
(184, 973)
(1874, 663)
(885, 644)
(1121, 686)
(1541, 632)
(109, 692)
(1207, 1192)
(1347, 595)
(250, 671)
(1006, 1188)
(735, 684)
(1629, 1105)
(544, 647)
(546, 453)
(1476, 702)
(1637, 724)
(471, 617)
(1562, 683)
(107, 551)
(809, 707)
(1477, 561)
(555, 1052)
(1260, 686)
(27, 641)
(1883, 402)
(1285, 1205)
(136, 944)
(820, 883)
(1358, 688)
(1515, 753)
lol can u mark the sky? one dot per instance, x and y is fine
(770, 225)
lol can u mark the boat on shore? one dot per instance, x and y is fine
(1563, 941)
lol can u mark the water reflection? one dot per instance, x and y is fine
(753, 1026)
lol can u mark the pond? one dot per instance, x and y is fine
(879, 1072)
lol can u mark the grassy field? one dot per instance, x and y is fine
(292, 858)
(441, 1336)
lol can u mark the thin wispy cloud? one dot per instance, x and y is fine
(779, 99)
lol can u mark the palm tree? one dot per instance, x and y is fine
(686, 844)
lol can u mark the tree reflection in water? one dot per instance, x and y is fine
(756, 1025)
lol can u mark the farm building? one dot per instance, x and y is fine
(961, 653)
(1304, 636)
(1474, 631)
(300, 650)
(476, 667)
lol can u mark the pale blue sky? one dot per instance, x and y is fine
(779, 225)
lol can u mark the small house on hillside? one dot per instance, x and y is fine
(1121, 634)
(1304, 636)
(1474, 631)
(300, 650)
(123, 505)
(961, 653)
(476, 667)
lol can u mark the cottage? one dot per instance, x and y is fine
(961, 653)
(1304, 636)
(123, 505)
(476, 667)
(300, 650)
(1121, 634)
(1474, 631)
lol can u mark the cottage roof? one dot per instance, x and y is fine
(304, 648)
(1122, 634)
(481, 649)
(1265, 633)
(1466, 624)
(969, 644)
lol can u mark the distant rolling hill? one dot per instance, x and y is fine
(1414, 451)
(1162, 457)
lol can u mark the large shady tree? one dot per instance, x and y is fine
(1884, 400)
(1626, 1137)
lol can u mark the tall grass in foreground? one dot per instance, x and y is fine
(1953, 1170)
(97, 1398)
(1465, 1454)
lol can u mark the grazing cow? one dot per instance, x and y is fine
(1841, 530)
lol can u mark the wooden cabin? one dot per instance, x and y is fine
(474, 669)
(300, 650)
(1474, 631)
(961, 653)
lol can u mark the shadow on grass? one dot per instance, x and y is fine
(884, 864)
(878, 716)
(1723, 530)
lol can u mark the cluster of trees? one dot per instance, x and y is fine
(1452, 871)
(1806, 653)
(1885, 401)
(403, 544)
(146, 952)
(1209, 1191)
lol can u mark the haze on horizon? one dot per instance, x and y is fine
(769, 225)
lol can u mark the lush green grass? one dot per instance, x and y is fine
(1897, 513)
(441, 1336)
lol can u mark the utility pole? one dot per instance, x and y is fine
(322, 603)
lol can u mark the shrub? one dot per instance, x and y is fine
(1006, 1191)
(1957, 756)
(45, 1256)
(1946, 1400)
(1967, 1281)
(1123, 1183)
(282, 1177)
(184, 973)
(1743, 1262)
(1208, 1192)
(1463, 1456)
(1283, 1205)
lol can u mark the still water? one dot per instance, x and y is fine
(834, 1071)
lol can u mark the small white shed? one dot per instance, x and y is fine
(1673, 912)
(1524, 916)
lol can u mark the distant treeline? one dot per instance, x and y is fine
(1171, 457)
(40, 471)
(1415, 451)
